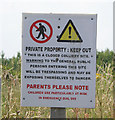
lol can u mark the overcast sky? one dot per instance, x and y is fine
(11, 19)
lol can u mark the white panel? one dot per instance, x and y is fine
(58, 74)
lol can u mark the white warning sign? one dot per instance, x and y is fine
(58, 60)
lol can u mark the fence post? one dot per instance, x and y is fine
(57, 113)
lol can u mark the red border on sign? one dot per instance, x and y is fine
(34, 25)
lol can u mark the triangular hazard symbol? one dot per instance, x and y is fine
(69, 34)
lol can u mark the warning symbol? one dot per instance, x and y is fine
(41, 31)
(69, 34)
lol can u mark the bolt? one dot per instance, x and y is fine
(91, 18)
(23, 98)
(58, 27)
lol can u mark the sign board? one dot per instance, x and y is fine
(58, 60)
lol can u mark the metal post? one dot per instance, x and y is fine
(58, 113)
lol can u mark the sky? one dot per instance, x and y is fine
(11, 19)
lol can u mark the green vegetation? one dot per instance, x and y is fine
(11, 84)
(105, 57)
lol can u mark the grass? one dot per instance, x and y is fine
(104, 98)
